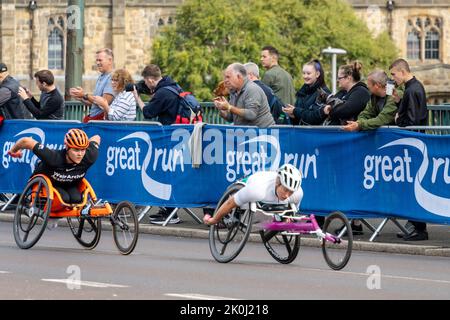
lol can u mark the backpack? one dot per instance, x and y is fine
(276, 110)
(189, 109)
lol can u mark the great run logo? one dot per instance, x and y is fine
(250, 150)
(128, 158)
(241, 151)
(398, 169)
(28, 156)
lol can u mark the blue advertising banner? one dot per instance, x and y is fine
(387, 172)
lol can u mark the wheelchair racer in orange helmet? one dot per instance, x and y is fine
(67, 167)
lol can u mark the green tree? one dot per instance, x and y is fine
(209, 35)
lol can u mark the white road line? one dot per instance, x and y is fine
(195, 296)
(4, 272)
(85, 283)
(381, 275)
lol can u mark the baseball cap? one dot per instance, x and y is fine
(3, 67)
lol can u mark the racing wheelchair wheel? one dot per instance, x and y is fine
(86, 230)
(125, 225)
(32, 213)
(337, 254)
(282, 247)
(228, 237)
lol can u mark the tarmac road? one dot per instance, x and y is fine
(167, 267)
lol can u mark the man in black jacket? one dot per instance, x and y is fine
(412, 111)
(51, 102)
(10, 105)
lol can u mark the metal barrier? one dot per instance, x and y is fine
(439, 115)
(75, 110)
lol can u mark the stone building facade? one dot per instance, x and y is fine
(126, 26)
(421, 31)
(34, 37)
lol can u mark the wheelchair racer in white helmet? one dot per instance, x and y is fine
(278, 187)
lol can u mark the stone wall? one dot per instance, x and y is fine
(377, 21)
(129, 27)
(126, 26)
(436, 80)
(435, 74)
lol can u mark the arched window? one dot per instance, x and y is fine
(56, 42)
(56, 49)
(424, 38)
(413, 46)
(432, 45)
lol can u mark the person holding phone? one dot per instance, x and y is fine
(307, 109)
(248, 105)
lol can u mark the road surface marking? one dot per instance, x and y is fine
(4, 272)
(196, 296)
(382, 276)
(85, 283)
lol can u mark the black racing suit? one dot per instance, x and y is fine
(64, 176)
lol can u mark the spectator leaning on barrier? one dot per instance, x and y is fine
(307, 110)
(163, 106)
(248, 104)
(379, 111)
(104, 59)
(123, 108)
(276, 77)
(51, 102)
(353, 93)
(381, 108)
(412, 111)
(10, 104)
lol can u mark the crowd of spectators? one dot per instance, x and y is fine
(358, 105)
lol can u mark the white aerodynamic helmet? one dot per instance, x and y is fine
(290, 177)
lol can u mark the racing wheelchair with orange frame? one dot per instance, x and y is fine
(40, 202)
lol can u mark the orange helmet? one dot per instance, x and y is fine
(76, 138)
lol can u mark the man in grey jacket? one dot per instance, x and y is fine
(248, 105)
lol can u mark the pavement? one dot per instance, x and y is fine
(438, 243)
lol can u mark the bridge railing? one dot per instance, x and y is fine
(439, 115)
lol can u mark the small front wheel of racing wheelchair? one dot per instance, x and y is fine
(228, 237)
(125, 225)
(281, 245)
(32, 213)
(86, 230)
(338, 244)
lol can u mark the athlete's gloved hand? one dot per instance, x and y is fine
(17, 154)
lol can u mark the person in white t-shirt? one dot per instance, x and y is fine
(279, 187)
